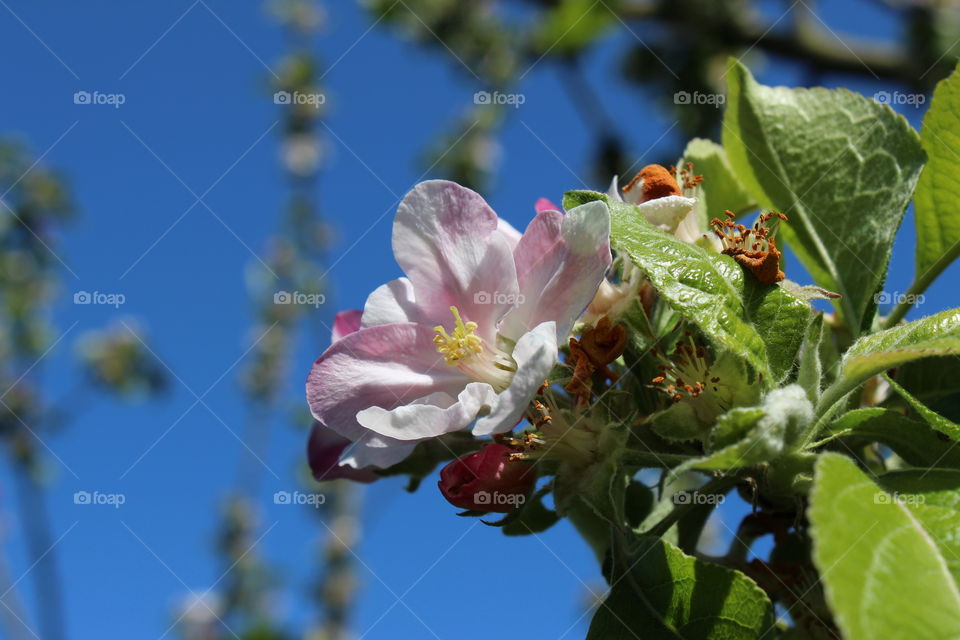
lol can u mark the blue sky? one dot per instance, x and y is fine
(197, 123)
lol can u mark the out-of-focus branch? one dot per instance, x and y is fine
(806, 39)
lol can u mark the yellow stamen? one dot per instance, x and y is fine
(463, 344)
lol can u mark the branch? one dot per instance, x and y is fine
(809, 41)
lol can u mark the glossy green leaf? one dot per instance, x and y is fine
(937, 201)
(841, 166)
(871, 552)
(669, 595)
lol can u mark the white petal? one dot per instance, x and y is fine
(422, 420)
(614, 190)
(390, 303)
(535, 354)
(667, 212)
(376, 451)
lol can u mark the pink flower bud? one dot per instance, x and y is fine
(487, 480)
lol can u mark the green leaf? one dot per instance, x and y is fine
(841, 166)
(753, 321)
(667, 594)
(532, 517)
(936, 421)
(810, 373)
(935, 382)
(937, 201)
(678, 423)
(781, 318)
(872, 552)
(936, 335)
(721, 189)
(912, 440)
(933, 497)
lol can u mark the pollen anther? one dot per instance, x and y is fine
(462, 344)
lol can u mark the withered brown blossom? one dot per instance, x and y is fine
(752, 247)
(596, 348)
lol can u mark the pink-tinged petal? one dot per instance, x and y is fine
(426, 420)
(384, 366)
(344, 323)
(561, 261)
(373, 450)
(543, 204)
(391, 303)
(509, 232)
(535, 354)
(324, 449)
(666, 213)
(445, 239)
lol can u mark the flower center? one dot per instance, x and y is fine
(463, 344)
(483, 362)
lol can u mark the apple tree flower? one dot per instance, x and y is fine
(471, 331)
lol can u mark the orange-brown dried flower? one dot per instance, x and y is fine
(591, 353)
(655, 181)
(752, 247)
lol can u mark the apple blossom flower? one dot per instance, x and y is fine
(489, 480)
(469, 335)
